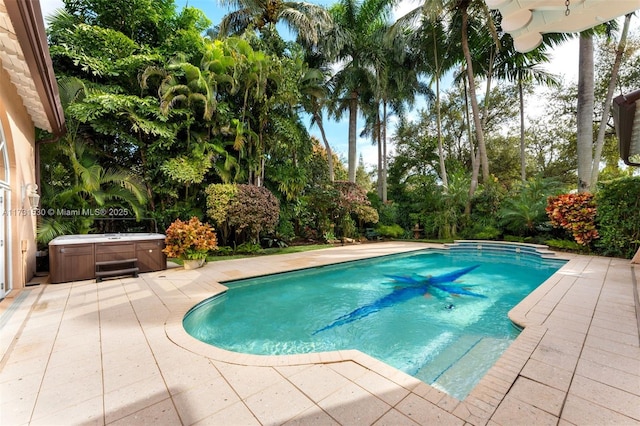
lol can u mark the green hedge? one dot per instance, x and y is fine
(618, 217)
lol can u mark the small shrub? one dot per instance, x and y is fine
(390, 231)
(487, 233)
(248, 248)
(565, 245)
(575, 213)
(190, 240)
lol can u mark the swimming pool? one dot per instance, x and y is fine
(446, 341)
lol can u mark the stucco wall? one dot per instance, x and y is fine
(19, 133)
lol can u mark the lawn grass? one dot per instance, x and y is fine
(270, 251)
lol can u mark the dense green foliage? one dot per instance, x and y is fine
(618, 218)
(242, 211)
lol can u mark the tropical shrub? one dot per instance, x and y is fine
(189, 240)
(524, 212)
(576, 213)
(246, 210)
(219, 198)
(337, 207)
(618, 217)
(390, 231)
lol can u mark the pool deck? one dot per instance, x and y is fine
(114, 352)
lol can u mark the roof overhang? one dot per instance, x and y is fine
(626, 116)
(24, 54)
(527, 20)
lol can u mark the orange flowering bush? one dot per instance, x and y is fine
(576, 213)
(190, 240)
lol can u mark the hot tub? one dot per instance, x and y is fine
(74, 257)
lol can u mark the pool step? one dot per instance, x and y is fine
(502, 247)
(457, 369)
(431, 371)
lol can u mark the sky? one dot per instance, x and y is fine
(564, 63)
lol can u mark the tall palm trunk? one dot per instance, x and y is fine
(443, 169)
(384, 152)
(585, 112)
(523, 162)
(482, 149)
(327, 147)
(353, 128)
(377, 138)
(595, 170)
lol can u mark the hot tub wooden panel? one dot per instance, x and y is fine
(71, 263)
(74, 259)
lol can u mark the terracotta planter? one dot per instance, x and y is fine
(192, 263)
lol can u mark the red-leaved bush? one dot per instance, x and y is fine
(576, 213)
(190, 240)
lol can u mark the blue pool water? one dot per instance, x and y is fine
(446, 341)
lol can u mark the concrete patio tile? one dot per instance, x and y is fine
(613, 346)
(349, 369)
(540, 396)
(130, 372)
(318, 381)
(134, 397)
(12, 413)
(248, 380)
(85, 413)
(186, 371)
(547, 374)
(395, 418)
(385, 389)
(425, 413)
(352, 405)
(160, 413)
(63, 387)
(553, 356)
(278, 403)
(205, 400)
(614, 399)
(615, 324)
(512, 411)
(237, 414)
(615, 360)
(312, 416)
(579, 411)
(600, 337)
(628, 381)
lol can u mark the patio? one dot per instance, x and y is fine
(115, 353)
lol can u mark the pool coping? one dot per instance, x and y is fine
(479, 404)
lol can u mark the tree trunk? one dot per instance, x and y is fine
(523, 160)
(482, 149)
(585, 112)
(443, 169)
(475, 163)
(353, 128)
(327, 147)
(595, 170)
(377, 139)
(384, 152)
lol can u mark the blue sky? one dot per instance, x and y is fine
(564, 62)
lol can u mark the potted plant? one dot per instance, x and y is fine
(190, 241)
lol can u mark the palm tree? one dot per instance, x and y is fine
(350, 43)
(607, 103)
(316, 90)
(307, 20)
(585, 111)
(523, 68)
